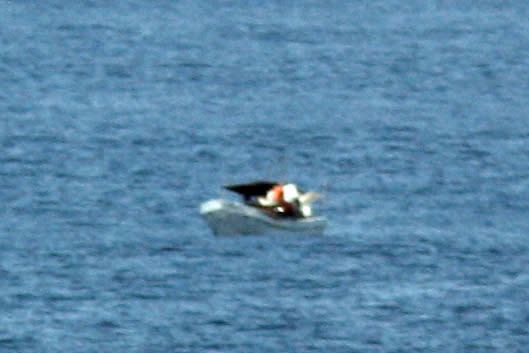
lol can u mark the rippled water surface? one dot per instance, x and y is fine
(117, 119)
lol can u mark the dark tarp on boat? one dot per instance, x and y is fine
(249, 190)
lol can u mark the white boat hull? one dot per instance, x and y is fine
(226, 217)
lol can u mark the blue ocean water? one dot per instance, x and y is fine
(118, 119)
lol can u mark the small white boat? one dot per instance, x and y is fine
(226, 217)
(255, 216)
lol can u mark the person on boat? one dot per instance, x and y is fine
(284, 199)
(276, 198)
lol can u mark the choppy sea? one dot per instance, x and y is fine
(118, 118)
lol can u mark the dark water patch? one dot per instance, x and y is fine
(469, 153)
(18, 342)
(142, 173)
(234, 253)
(169, 249)
(14, 139)
(145, 296)
(67, 298)
(146, 141)
(108, 324)
(195, 65)
(471, 309)
(8, 341)
(118, 71)
(322, 140)
(219, 322)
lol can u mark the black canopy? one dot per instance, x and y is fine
(257, 188)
